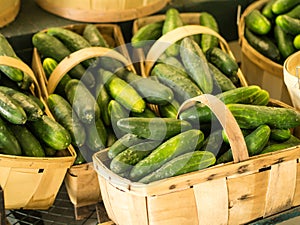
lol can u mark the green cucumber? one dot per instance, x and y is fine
(283, 6)
(146, 34)
(96, 137)
(111, 137)
(169, 110)
(26, 82)
(267, 10)
(222, 81)
(147, 113)
(255, 142)
(182, 87)
(214, 143)
(296, 41)
(116, 112)
(288, 24)
(62, 111)
(223, 61)
(72, 40)
(49, 46)
(294, 12)
(257, 22)
(280, 134)
(131, 156)
(181, 143)
(7, 50)
(103, 99)
(284, 42)
(11, 110)
(291, 142)
(152, 91)
(208, 41)
(263, 44)
(182, 164)
(172, 61)
(93, 35)
(82, 101)
(196, 64)
(262, 98)
(122, 92)
(252, 116)
(50, 132)
(29, 143)
(8, 141)
(153, 128)
(123, 143)
(31, 107)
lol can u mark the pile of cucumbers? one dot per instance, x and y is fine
(274, 29)
(25, 128)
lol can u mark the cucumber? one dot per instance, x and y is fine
(29, 143)
(283, 6)
(146, 34)
(294, 12)
(62, 111)
(185, 163)
(288, 24)
(26, 82)
(196, 64)
(262, 98)
(11, 110)
(131, 156)
(49, 46)
(116, 112)
(263, 44)
(96, 137)
(72, 40)
(267, 10)
(122, 92)
(214, 143)
(208, 41)
(147, 113)
(153, 128)
(8, 141)
(257, 22)
(252, 116)
(7, 50)
(169, 110)
(223, 61)
(152, 91)
(284, 42)
(222, 81)
(49, 64)
(291, 142)
(111, 137)
(255, 142)
(103, 99)
(182, 87)
(179, 144)
(82, 101)
(296, 42)
(172, 61)
(280, 134)
(93, 35)
(50, 132)
(123, 143)
(31, 107)
(172, 21)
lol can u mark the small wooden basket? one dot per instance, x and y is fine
(9, 11)
(102, 11)
(31, 182)
(257, 68)
(78, 176)
(232, 193)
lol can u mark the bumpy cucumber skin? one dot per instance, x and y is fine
(153, 128)
(94, 36)
(284, 42)
(176, 145)
(185, 163)
(280, 134)
(96, 135)
(103, 99)
(169, 110)
(283, 6)
(291, 142)
(207, 40)
(289, 24)
(116, 112)
(257, 22)
(196, 64)
(8, 141)
(63, 113)
(222, 81)
(294, 12)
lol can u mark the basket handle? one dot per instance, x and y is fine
(77, 57)
(226, 119)
(19, 64)
(177, 34)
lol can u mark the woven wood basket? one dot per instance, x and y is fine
(232, 193)
(257, 68)
(9, 11)
(102, 10)
(78, 176)
(32, 182)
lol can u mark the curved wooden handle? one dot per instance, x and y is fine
(226, 119)
(19, 64)
(175, 35)
(77, 57)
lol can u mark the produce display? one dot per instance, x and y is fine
(274, 29)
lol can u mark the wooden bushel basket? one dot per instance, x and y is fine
(81, 180)
(9, 11)
(232, 193)
(259, 69)
(31, 182)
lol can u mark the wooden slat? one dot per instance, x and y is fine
(296, 200)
